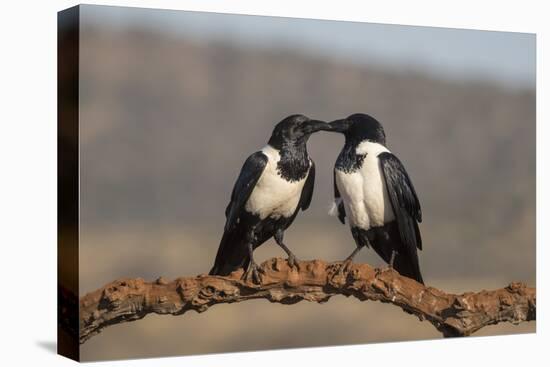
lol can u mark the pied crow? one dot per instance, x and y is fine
(373, 190)
(273, 185)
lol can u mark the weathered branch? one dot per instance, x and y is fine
(453, 315)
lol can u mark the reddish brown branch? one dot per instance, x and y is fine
(453, 315)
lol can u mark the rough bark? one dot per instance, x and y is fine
(315, 281)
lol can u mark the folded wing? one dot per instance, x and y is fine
(251, 171)
(404, 201)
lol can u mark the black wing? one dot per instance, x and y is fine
(307, 191)
(250, 173)
(338, 200)
(404, 201)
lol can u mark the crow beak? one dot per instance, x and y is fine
(339, 126)
(312, 126)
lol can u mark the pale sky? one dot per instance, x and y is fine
(503, 57)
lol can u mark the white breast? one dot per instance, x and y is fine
(274, 196)
(364, 191)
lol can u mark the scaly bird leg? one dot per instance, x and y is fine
(252, 270)
(347, 262)
(392, 259)
(292, 259)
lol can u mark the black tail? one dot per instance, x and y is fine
(404, 263)
(408, 266)
(388, 240)
(232, 254)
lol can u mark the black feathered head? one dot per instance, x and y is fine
(295, 129)
(359, 127)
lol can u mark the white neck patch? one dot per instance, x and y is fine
(271, 153)
(369, 147)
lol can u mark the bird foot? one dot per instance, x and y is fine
(292, 261)
(344, 267)
(252, 273)
(385, 268)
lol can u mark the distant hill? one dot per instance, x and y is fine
(163, 119)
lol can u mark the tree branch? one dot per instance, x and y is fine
(315, 281)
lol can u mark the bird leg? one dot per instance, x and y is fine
(392, 259)
(292, 259)
(252, 271)
(347, 262)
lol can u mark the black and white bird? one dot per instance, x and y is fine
(274, 184)
(373, 190)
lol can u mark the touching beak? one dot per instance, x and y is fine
(312, 126)
(339, 126)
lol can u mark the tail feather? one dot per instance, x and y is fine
(405, 262)
(232, 254)
(408, 267)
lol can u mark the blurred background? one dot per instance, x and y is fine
(172, 103)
